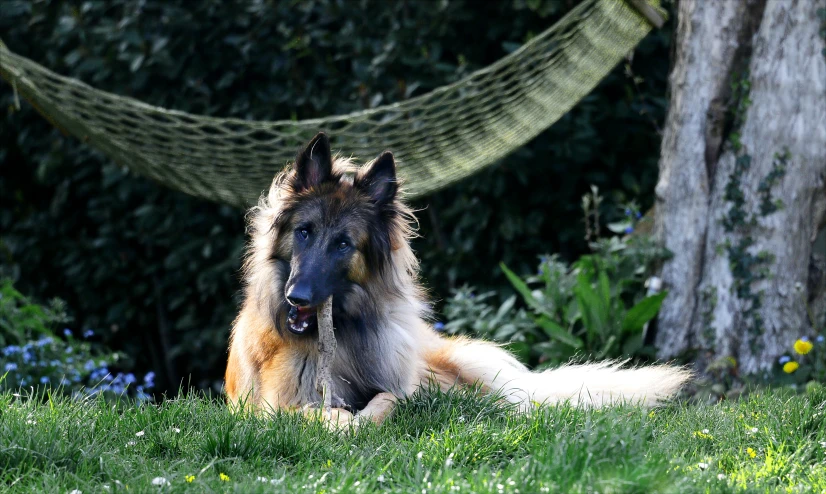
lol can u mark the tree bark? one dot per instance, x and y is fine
(741, 191)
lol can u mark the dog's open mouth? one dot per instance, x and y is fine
(301, 319)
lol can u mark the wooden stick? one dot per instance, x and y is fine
(326, 352)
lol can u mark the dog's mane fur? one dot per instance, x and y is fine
(380, 322)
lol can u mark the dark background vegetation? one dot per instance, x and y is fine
(155, 272)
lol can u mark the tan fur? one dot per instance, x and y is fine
(358, 269)
(264, 370)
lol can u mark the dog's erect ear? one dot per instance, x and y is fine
(314, 164)
(379, 181)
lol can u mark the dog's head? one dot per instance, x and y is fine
(334, 235)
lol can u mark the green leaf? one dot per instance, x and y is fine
(505, 307)
(559, 333)
(521, 287)
(591, 307)
(643, 312)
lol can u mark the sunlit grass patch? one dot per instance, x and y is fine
(436, 442)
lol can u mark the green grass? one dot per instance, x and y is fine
(435, 442)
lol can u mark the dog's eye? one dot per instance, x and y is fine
(303, 233)
(342, 246)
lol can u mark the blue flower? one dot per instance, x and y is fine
(67, 332)
(70, 360)
(64, 381)
(44, 380)
(11, 366)
(819, 339)
(149, 379)
(99, 374)
(88, 333)
(44, 341)
(54, 363)
(69, 349)
(784, 359)
(804, 338)
(129, 378)
(627, 211)
(630, 229)
(638, 215)
(89, 365)
(439, 326)
(11, 350)
(28, 356)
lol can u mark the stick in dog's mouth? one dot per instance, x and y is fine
(326, 352)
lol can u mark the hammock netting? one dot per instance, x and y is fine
(439, 138)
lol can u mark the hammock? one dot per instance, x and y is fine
(440, 137)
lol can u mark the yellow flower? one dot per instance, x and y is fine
(803, 346)
(790, 367)
(224, 477)
(752, 453)
(190, 478)
(703, 434)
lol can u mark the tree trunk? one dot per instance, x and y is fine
(741, 192)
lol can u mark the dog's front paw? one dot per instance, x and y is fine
(335, 419)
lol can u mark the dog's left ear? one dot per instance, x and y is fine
(314, 164)
(379, 181)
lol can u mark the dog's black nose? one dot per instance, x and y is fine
(299, 296)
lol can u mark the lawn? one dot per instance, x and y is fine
(766, 442)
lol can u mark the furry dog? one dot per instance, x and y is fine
(328, 228)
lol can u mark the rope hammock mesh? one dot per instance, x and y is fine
(439, 138)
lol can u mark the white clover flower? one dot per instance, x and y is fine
(75, 491)
(140, 433)
(176, 430)
(702, 465)
(160, 481)
(380, 478)
(262, 479)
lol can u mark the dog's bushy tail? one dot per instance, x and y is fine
(591, 384)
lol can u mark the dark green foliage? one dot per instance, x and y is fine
(596, 307)
(22, 320)
(778, 171)
(157, 271)
(32, 353)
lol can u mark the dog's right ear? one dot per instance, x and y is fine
(314, 164)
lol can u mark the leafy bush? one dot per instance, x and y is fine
(68, 364)
(597, 306)
(20, 319)
(472, 314)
